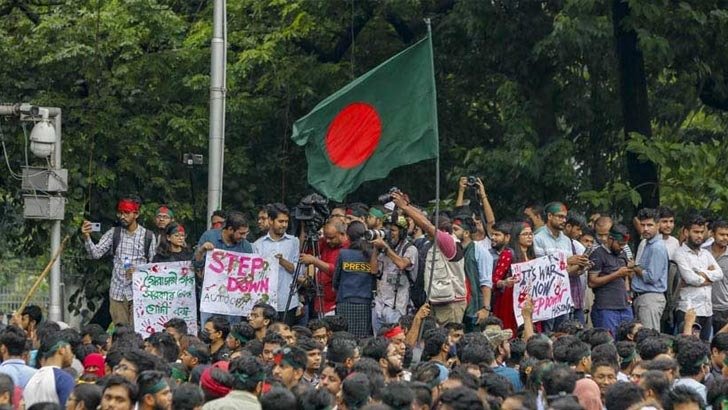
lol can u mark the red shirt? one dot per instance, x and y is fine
(329, 255)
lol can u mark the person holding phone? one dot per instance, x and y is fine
(650, 280)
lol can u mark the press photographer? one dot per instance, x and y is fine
(397, 267)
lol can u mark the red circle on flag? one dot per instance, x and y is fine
(353, 135)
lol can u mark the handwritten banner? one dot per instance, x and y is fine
(162, 291)
(547, 281)
(234, 282)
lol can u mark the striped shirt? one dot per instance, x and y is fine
(131, 245)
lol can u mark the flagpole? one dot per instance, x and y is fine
(437, 164)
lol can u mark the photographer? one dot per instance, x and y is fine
(333, 240)
(397, 266)
(485, 228)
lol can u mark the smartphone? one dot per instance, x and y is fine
(95, 226)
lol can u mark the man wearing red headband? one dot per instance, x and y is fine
(131, 245)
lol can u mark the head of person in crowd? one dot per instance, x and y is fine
(314, 356)
(520, 400)
(666, 365)
(7, 391)
(278, 219)
(559, 380)
(261, 316)
(30, 318)
(85, 396)
(335, 233)
(422, 393)
(602, 226)
(290, 364)
(604, 373)
(344, 351)
(628, 356)
(693, 360)
(94, 365)
(187, 396)
(357, 212)
(522, 242)
(555, 216)
(55, 350)
(718, 350)
(236, 228)
(695, 227)
(539, 347)
(127, 212)
(718, 394)
(570, 350)
(501, 235)
(651, 347)
(196, 353)
(437, 345)
(163, 217)
(284, 330)
(332, 375)
(154, 391)
(499, 340)
(682, 398)
(263, 220)
(574, 225)
(338, 213)
(355, 392)
(215, 381)
(627, 330)
(617, 238)
(94, 334)
(623, 395)
(397, 229)
(455, 331)
(217, 219)
(375, 218)
(587, 238)
(174, 239)
(459, 398)
(278, 398)
(655, 384)
(216, 329)
(162, 345)
(386, 354)
(119, 394)
(648, 223)
(133, 362)
(477, 354)
(300, 331)
(12, 343)
(665, 220)
(398, 396)
(272, 342)
(637, 371)
(240, 334)
(176, 327)
(319, 331)
(535, 214)
(248, 374)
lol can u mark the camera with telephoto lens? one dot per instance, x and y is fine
(395, 280)
(372, 234)
(472, 181)
(387, 198)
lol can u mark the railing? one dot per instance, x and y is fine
(10, 300)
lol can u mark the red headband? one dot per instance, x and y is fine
(211, 385)
(180, 229)
(393, 332)
(127, 206)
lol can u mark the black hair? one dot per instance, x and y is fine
(596, 336)
(124, 335)
(681, 395)
(339, 369)
(219, 212)
(196, 373)
(528, 400)
(664, 212)
(644, 333)
(518, 255)
(269, 312)
(503, 227)
(274, 338)
(695, 219)
(398, 395)
(298, 357)
(368, 366)
(164, 247)
(525, 372)
(375, 348)
(276, 209)
(235, 220)
(538, 209)
(278, 398)
(220, 324)
(317, 324)
(301, 331)
(570, 350)
(200, 350)
(651, 347)
(454, 326)
(142, 360)
(45, 405)
(356, 390)
(422, 393)
(337, 323)
(719, 342)
(647, 213)
(246, 373)
(355, 232)
(341, 349)
(559, 379)
(254, 347)
(575, 219)
(89, 394)
(662, 365)
(655, 380)
(518, 348)
(434, 339)
(308, 344)
(625, 329)
(460, 398)
(690, 357)
(96, 332)
(426, 372)
(717, 392)
(166, 345)
(147, 380)
(131, 388)
(466, 378)
(622, 395)
(479, 354)
(719, 224)
(565, 403)
(178, 324)
(627, 353)
(539, 347)
(310, 398)
(186, 396)
(13, 338)
(34, 313)
(244, 330)
(570, 327)
(605, 353)
(496, 385)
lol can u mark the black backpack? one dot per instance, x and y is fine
(116, 240)
(417, 287)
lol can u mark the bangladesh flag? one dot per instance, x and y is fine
(382, 120)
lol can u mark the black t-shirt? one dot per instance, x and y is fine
(613, 295)
(185, 255)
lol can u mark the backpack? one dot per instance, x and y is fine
(116, 240)
(417, 286)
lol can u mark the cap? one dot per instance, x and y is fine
(496, 336)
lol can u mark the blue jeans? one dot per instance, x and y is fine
(610, 318)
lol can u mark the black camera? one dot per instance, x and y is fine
(387, 198)
(372, 234)
(312, 211)
(472, 181)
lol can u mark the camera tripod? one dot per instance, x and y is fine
(310, 245)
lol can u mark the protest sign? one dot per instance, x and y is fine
(546, 280)
(234, 282)
(162, 291)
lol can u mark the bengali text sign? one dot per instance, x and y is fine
(162, 291)
(234, 282)
(546, 280)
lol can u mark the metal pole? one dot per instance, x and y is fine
(55, 310)
(217, 110)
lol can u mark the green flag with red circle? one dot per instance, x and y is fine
(382, 120)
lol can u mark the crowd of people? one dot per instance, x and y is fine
(393, 308)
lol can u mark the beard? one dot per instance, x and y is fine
(693, 245)
(393, 370)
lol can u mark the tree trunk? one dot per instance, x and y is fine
(635, 107)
